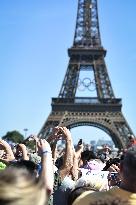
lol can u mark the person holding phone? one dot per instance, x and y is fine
(125, 194)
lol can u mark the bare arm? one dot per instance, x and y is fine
(63, 133)
(24, 151)
(54, 151)
(47, 174)
(9, 153)
(75, 168)
(69, 153)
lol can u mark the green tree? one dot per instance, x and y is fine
(30, 144)
(14, 136)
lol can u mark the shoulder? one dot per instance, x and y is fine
(88, 198)
(112, 196)
(83, 198)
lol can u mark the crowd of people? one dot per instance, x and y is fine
(73, 175)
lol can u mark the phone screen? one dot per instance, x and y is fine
(80, 142)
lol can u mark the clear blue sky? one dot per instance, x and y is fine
(34, 37)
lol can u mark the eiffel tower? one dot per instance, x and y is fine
(103, 110)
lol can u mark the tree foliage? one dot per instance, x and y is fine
(14, 136)
(30, 144)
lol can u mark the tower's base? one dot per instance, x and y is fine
(105, 114)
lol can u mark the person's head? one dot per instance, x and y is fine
(25, 164)
(128, 167)
(86, 156)
(130, 137)
(34, 157)
(94, 165)
(77, 192)
(106, 149)
(18, 187)
(93, 181)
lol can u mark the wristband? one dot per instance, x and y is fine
(46, 152)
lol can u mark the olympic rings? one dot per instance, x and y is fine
(86, 83)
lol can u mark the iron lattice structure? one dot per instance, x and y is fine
(102, 111)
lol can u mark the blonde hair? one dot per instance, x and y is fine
(94, 182)
(18, 187)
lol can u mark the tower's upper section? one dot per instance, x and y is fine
(87, 32)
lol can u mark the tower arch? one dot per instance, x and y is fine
(87, 53)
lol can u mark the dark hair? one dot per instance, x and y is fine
(88, 155)
(27, 164)
(59, 162)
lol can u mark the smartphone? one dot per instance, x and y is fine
(80, 142)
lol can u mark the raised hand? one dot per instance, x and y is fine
(43, 146)
(21, 149)
(64, 133)
(9, 153)
(54, 135)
